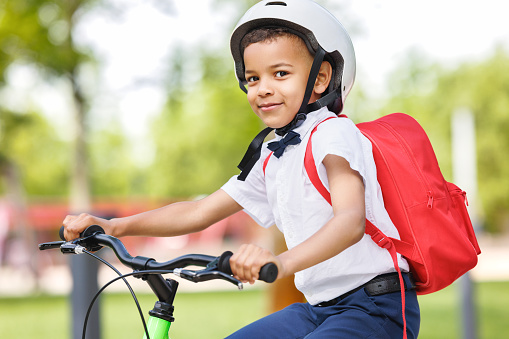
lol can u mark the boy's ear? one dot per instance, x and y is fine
(323, 78)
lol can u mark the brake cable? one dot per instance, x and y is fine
(120, 276)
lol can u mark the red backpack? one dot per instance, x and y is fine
(437, 237)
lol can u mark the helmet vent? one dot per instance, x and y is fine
(276, 3)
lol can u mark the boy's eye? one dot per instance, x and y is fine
(252, 79)
(280, 74)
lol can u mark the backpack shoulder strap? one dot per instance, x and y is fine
(309, 165)
(266, 161)
(386, 242)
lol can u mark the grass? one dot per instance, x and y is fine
(214, 315)
(441, 312)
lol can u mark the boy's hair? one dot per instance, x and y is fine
(269, 34)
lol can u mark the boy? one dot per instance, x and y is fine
(296, 59)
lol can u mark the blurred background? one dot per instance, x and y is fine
(118, 106)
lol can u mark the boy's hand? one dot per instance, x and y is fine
(76, 224)
(249, 259)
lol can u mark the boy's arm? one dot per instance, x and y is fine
(171, 220)
(342, 231)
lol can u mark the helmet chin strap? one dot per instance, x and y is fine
(310, 85)
(254, 150)
(313, 73)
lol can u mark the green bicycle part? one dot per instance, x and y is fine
(157, 328)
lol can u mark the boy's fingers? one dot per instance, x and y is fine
(75, 224)
(243, 264)
(247, 262)
(69, 220)
(237, 262)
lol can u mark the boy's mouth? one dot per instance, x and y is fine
(266, 107)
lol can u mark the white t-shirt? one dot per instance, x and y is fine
(285, 196)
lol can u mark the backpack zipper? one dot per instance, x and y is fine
(422, 178)
(430, 199)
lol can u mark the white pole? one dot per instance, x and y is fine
(465, 176)
(464, 158)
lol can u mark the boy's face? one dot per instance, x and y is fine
(277, 72)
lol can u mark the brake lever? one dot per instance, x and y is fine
(76, 246)
(66, 247)
(50, 245)
(205, 275)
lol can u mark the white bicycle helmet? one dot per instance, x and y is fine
(318, 28)
(325, 38)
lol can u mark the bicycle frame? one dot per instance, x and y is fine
(158, 328)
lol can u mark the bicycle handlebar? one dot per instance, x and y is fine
(94, 238)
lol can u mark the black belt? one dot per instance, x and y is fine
(382, 284)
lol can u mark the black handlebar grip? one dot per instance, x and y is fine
(90, 230)
(61, 233)
(224, 263)
(268, 272)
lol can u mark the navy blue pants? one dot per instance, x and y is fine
(359, 315)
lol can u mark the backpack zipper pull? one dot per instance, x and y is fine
(430, 199)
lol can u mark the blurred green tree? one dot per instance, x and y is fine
(202, 132)
(112, 169)
(432, 93)
(31, 157)
(40, 32)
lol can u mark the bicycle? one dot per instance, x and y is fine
(161, 316)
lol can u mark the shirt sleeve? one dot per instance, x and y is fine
(342, 138)
(251, 195)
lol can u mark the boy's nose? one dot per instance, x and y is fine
(265, 89)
